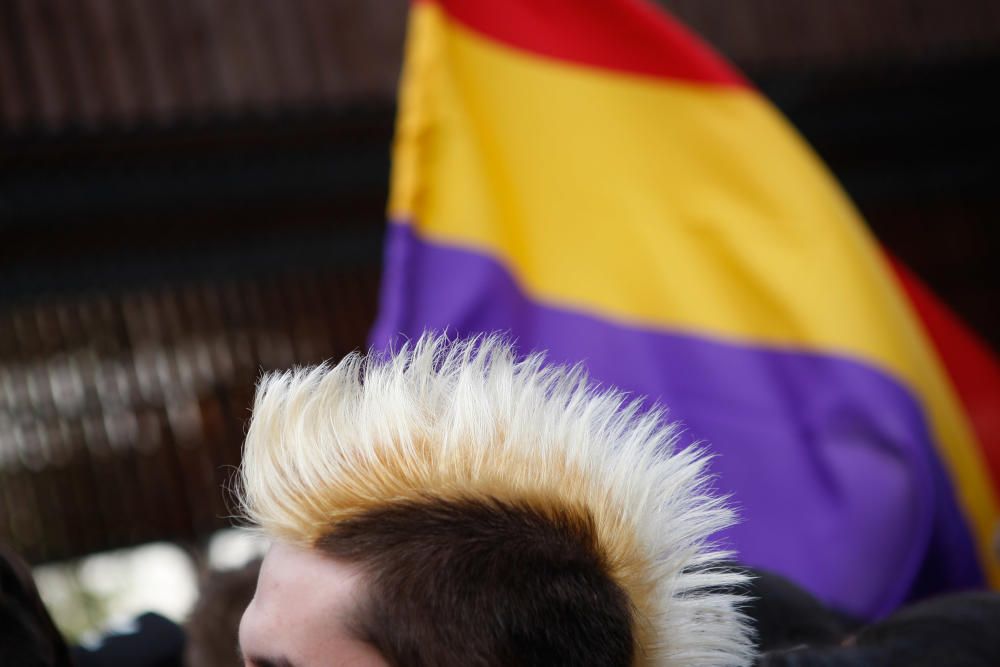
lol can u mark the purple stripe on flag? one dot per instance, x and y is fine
(828, 460)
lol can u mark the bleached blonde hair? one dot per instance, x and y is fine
(466, 419)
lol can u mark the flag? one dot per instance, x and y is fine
(592, 179)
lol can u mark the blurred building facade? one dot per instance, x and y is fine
(192, 191)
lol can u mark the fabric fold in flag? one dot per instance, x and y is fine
(595, 181)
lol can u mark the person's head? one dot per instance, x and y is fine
(211, 627)
(450, 505)
(958, 630)
(28, 637)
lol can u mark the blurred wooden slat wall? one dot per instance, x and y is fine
(789, 34)
(121, 414)
(191, 192)
(97, 62)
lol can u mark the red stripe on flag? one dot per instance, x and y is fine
(630, 36)
(974, 370)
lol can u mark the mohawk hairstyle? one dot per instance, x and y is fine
(505, 511)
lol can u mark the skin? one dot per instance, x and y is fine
(300, 615)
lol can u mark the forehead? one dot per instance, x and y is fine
(302, 611)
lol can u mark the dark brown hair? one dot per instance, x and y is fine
(484, 583)
(212, 629)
